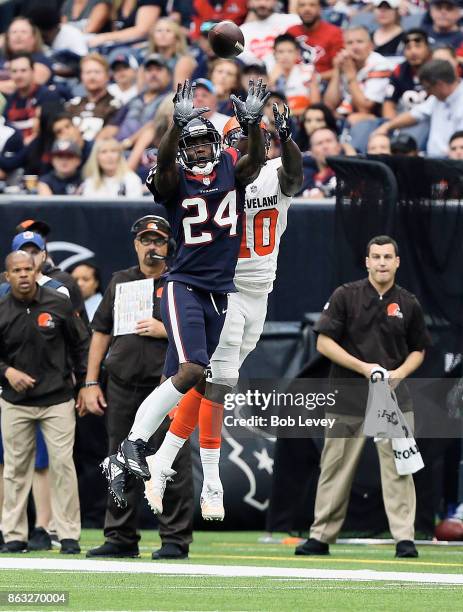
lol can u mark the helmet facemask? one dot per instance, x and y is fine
(187, 155)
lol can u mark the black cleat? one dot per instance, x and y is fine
(114, 471)
(406, 549)
(132, 453)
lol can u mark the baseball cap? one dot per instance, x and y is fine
(66, 147)
(401, 144)
(33, 225)
(394, 4)
(206, 84)
(27, 238)
(452, 2)
(158, 59)
(150, 223)
(123, 57)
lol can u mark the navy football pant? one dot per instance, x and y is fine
(193, 319)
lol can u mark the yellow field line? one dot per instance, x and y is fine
(324, 559)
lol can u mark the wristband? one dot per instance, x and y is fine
(91, 383)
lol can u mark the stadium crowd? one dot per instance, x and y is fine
(381, 77)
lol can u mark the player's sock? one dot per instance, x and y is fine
(153, 410)
(210, 429)
(165, 456)
(187, 414)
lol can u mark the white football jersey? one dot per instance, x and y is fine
(264, 221)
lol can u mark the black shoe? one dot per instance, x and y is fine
(40, 539)
(109, 549)
(2, 541)
(312, 547)
(406, 549)
(115, 471)
(15, 546)
(170, 551)
(132, 453)
(69, 547)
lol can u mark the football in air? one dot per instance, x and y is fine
(226, 39)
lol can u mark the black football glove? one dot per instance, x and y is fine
(184, 110)
(252, 109)
(282, 125)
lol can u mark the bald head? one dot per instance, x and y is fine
(21, 274)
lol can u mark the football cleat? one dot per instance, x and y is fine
(156, 486)
(212, 503)
(114, 470)
(132, 453)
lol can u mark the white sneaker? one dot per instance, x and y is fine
(212, 503)
(155, 487)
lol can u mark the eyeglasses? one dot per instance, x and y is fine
(158, 241)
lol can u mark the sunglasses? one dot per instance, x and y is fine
(158, 241)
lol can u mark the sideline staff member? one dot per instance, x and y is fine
(39, 336)
(367, 323)
(134, 366)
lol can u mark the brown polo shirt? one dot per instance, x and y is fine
(376, 329)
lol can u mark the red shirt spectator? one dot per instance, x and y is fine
(208, 10)
(320, 41)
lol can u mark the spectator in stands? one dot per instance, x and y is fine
(443, 109)
(92, 111)
(23, 36)
(124, 71)
(208, 10)
(260, 33)
(404, 90)
(63, 128)
(444, 28)
(130, 381)
(226, 78)
(205, 95)
(168, 39)
(202, 52)
(456, 146)
(314, 117)
(11, 151)
(89, 16)
(358, 86)
(297, 80)
(450, 55)
(127, 124)
(46, 15)
(254, 71)
(107, 174)
(319, 40)
(65, 178)
(319, 178)
(37, 353)
(404, 144)
(387, 36)
(23, 106)
(88, 277)
(379, 144)
(131, 20)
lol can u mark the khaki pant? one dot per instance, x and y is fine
(339, 461)
(18, 430)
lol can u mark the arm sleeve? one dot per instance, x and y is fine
(103, 318)
(418, 337)
(333, 318)
(78, 342)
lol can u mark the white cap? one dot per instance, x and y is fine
(392, 3)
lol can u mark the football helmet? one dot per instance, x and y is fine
(232, 132)
(194, 129)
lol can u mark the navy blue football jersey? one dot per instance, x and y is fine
(205, 217)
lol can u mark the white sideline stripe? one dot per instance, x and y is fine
(226, 571)
(174, 322)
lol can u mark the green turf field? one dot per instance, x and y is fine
(125, 590)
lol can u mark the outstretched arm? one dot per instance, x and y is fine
(166, 175)
(290, 174)
(249, 114)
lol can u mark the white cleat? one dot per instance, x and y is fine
(212, 503)
(155, 487)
